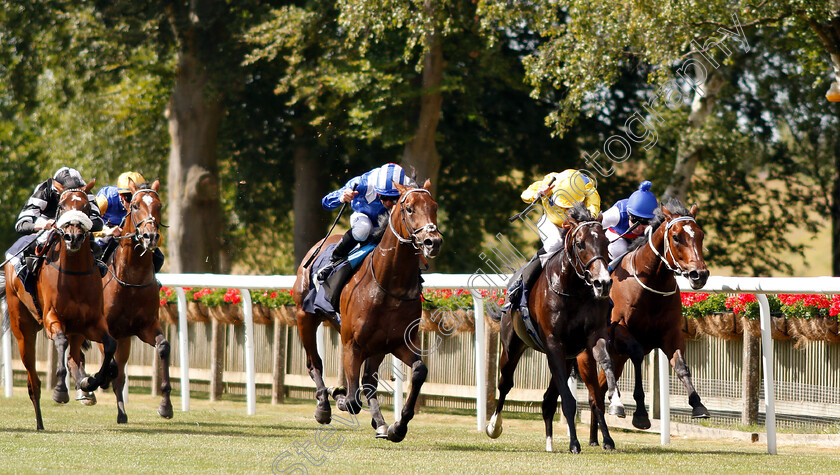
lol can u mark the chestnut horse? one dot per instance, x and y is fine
(648, 311)
(131, 296)
(378, 307)
(69, 292)
(569, 307)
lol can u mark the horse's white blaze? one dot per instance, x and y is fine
(549, 444)
(148, 200)
(688, 230)
(76, 198)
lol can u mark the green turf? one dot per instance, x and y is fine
(220, 438)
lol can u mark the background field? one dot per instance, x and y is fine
(221, 438)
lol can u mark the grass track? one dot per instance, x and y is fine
(221, 438)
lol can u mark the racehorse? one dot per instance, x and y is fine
(648, 311)
(131, 296)
(569, 306)
(378, 308)
(69, 298)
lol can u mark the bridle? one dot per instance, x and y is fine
(677, 268)
(577, 263)
(149, 219)
(64, 218)
(413, 240)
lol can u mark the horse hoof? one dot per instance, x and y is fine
(609, 447)
(105, 385)
(382, 432)
(86, 398)
(574, 447)
(494, 427)
(336, 391)
(641, 421)
(122, 418)
(618, 411)
(700, 412)
(323, 416)
(88, 384)
(397, 431)
(593, 443)
(61, 397)
(165, 411)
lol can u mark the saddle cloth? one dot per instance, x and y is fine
(325, 298)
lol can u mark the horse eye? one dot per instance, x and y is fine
(409, 210)
(580, 245)
(677, 238)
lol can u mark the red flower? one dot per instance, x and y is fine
(162, 302)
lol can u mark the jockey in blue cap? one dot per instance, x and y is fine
(371, 196)
(628, 219)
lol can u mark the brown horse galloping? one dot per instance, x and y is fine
(648, 310)
(569, 306)
(69, 291)
(378, 307)
(131, 296)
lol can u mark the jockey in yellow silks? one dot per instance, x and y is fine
(558, 193)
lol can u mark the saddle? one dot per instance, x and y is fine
(325, 298)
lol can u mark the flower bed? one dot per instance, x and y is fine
(802, 317)
(225, 305)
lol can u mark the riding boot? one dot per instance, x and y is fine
(339, 255)
(157, 259)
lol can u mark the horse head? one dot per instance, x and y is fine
(72, 219)
(684, 243)
(144, 215)
(585, 246)
(416, 216)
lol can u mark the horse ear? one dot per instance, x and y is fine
(693, 211)
(156, 186)
(89, 186)
(600, 218)
(666, 212)
(58, 186)
(132, 186)
(569, 221)
(400, 188)
(428, 185)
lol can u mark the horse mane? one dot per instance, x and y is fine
(381, 227)
(580, 214)
(673, 205)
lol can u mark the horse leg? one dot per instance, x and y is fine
(512, 349)
(153, 335)
(121, 357)
(596, 383)
(370, 382)
(419, 372)
(76, 365)
(549, 408)
(25, 333)
(626, 344)
(556, 354)
(60, 394)
(353, 359)
(599, 352)
(108, 371)
(675, 355)
(307, 326)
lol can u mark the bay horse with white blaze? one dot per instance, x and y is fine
(569, 307)
(378, 308)
(648, 311)
(131, 295)
(69, 293)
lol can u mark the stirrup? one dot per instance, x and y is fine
(328, 269)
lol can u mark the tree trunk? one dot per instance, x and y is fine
(691, 147)
(310, 186)
(421, 152)
(750, 380)
(194, 207)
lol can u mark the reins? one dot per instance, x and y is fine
(677, 268)
(578, 260)
(135, 237)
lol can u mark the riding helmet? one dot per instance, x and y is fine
(122, 181)
(69, 177)
(385, 178)
(642, 202)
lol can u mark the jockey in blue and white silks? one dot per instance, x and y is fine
(370, 195)
(627, 219)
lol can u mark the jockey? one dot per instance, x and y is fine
(558, 193)
(113, 202)
(628, 219)
(39, 213)
(371, 196)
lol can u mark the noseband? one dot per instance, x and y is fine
(578, 261)
(413, 240)
(149, 219)
(72, 216)
(677, 268)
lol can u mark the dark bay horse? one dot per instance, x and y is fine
(69, 292)
(648, 311)
(378, 307)
(131, 295)
(569, 306)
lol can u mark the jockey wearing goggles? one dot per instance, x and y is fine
(371, 196)
(627, 219)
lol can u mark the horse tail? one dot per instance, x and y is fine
(86, 344)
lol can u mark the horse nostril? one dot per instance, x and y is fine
(428, 242)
